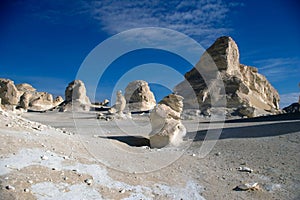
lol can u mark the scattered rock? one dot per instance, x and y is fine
(167, 128)
(122, 191)
(88, 181)
(245, 169)
(247, 93)
(139, 96)
(248, 186)
(44, 157)
(218, 154)
(105, 102)
(9, 187)
(26, 190)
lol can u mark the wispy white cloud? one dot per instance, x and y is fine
(278, 69)
(288, 99)
(202, 20)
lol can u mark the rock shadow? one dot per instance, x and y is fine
(279, 117)
(255, 131)
(134, 141)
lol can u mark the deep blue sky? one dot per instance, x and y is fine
(44, 42)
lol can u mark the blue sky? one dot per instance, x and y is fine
(44, 42)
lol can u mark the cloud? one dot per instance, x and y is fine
(288, 99)
(279, 69)
(202, 20)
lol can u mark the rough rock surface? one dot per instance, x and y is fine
(8, 92)
(25, 87)
(75, 97)
(57, 101)
(139, 96)
(120, 103)
(247, 93)
(36, 101)
(293, 108)
(167, 128)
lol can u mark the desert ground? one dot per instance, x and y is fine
(76, 156)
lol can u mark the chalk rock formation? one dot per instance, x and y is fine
(247, 93)
(57, 101)
(25, 87)
(139, 96)
(167, 128)
(76, 99)
(36, 101)
(25, 96)
(119, 105)
(8, 93)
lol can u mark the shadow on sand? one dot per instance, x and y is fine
(280, 117)
(254, 131)
(134, 141)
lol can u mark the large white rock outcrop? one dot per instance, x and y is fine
(76, 98)
(167, 128)
(247, 93)
(8, 93)
(139, 96)
(26, 97)
(36, 101)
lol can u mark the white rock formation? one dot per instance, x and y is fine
(9, 93)
(120, 103)
(167, 128)
(76, 99)
(24, 96)
(139, 96)
(244, 86)
(36, 101)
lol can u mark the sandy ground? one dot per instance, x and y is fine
(80, 157)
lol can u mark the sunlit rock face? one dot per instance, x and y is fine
(9, 94)
(24, 96)
(139, 97)
(76, 98)
(242, 90)
(167, 128)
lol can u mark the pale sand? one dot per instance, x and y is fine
(123, 168)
